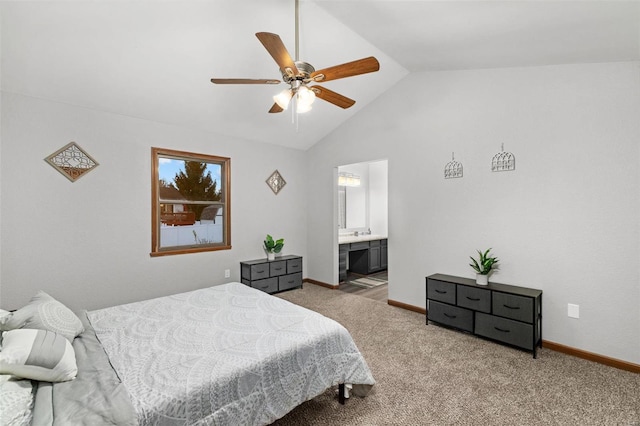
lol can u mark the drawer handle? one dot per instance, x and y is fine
(291, 282)
(260, 271)
(264, 287)
(502, 330)
(450, 316)
(441, 291)
(511, 307)
(473, 298)
(278, 269)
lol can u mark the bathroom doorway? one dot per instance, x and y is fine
(363, 229)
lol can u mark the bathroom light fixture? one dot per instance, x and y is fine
(348, 179)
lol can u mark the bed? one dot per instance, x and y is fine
(222, 355)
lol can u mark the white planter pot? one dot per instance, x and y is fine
(271, 256)
(482, 279)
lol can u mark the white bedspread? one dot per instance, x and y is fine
(225, 355)
(16, 401)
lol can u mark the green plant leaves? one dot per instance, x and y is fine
(485, 263)
(272, 246)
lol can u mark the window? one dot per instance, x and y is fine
(191, 209)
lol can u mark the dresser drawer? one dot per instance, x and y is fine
(442, 291)
(505, 330)
(474, 298)
(450, 315)
(270, 285)
(289, 281)
(294, 265)
(259, 271)
(515, 307)
(364, 245)
(278, 268)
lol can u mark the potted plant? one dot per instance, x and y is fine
(483, 266)
(272, 246)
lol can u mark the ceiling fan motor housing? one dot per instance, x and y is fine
(305, 70)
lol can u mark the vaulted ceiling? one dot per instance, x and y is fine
(154, 59)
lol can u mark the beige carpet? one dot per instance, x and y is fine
(429, 375)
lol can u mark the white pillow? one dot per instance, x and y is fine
(37, 355)
(44, 313)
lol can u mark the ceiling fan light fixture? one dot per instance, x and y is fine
(304, 99)
(283, 98)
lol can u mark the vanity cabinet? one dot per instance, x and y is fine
(365, 257)
(503, 313)
(374, 256)
(342, 262)
(273, 276)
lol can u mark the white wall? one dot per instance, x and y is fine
(88, 242)
(378, 197)
(565, 221)
(0, 158)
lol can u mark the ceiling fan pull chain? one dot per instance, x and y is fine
(293, 112)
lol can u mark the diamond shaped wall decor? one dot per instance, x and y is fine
(276, 182)
(72, 161)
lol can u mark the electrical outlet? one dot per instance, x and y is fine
(573, 311)
(227, 273)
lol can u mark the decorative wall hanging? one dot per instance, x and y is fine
(453, 169)
(72, 161)
(276, 182)
(503, 161)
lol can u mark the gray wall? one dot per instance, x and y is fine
(87, 243)
(565, 221)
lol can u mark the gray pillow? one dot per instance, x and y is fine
(44, 312)
(37, 355)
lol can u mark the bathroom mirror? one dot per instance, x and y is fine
(362, 197)
(353, 196)
(351, 208)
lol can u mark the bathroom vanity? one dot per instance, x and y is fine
(363, 254)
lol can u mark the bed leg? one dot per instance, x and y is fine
(341, 396)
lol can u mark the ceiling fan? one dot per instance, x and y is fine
(299, 75)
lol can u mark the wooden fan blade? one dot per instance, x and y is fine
(361, 66)
(275, 108)
(243, 81)
(332, 97)
(278, 52)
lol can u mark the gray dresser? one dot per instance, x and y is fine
(283, 273)
(503, 313)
